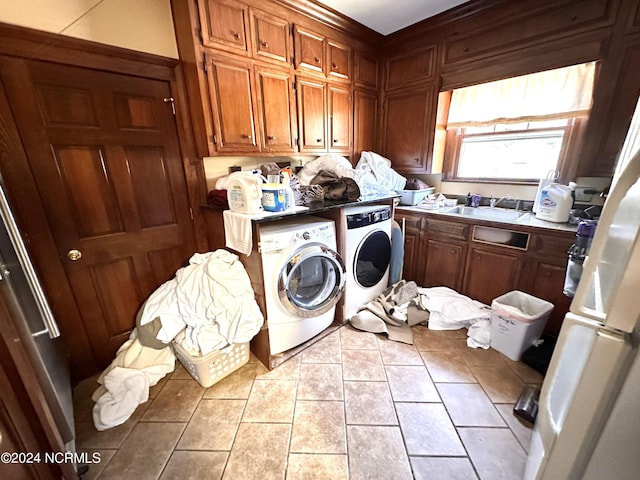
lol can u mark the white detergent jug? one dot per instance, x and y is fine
(244, 193)
(555, 203)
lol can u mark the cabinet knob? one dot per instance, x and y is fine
(452, 251)
(318, 140)
(264, 44)
(248, 137)
(271, 137)
(334, 66)
(74, 255)
(236, 35)
(335, 140)
(416, 160)
(316, 59)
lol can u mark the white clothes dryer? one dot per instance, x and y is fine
(304, 277)
(367, 254)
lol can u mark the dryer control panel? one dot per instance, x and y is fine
(363, 219)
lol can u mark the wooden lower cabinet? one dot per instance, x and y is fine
(491, 273)
(444, 261)
(440, 252)
(547, 282)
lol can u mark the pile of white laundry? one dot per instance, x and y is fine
(208, 305)
(403, 305)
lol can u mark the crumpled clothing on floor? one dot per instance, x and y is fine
(392, 312)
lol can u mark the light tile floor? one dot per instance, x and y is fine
(353, 405)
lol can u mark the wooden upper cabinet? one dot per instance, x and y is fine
(366, 72)
(411, 68)
(340, 123)
(519, 27)
(338, 60)
(408, 128)
(271, 38)
(309, 50)
(277, 110)
(225, 25)
(365, 118)
(312, 115)
(231, 90)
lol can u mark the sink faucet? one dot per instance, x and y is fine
(494, 203)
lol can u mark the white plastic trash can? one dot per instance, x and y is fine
(517, 320)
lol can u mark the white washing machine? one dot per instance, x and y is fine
(304, 277)
(367, 254)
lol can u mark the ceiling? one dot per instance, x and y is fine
(388, 16)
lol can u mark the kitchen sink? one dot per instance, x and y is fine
(486, 213)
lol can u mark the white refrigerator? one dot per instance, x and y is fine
(588, 423)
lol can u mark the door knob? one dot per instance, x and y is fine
(74, 255)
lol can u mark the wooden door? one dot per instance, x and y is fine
(309, 49)
(270, 37)
(365, 117)
(490, 274)
(340, 115)
(104, 154)
(444, 264)
(277, 110)
(225, 25)
(231, 89)
(408, 129)
(312, 115)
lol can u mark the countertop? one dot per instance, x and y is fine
(527, 219)
(315, 207)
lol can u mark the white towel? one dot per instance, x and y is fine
(237, 227)
(238, 231)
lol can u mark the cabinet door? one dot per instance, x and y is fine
(277, 110)
(224, 25)
(366, 72)
(444, 264)
(231, 92)
(312, 114)
(548, 283)
(309, 49)
(408, 129)
(340, 119)
(270, 37)
(365, 105)
(410, 68)
(490, 274)
(339, 60)
(413, 266)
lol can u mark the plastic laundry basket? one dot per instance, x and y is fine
(213, 367)
(517, 320)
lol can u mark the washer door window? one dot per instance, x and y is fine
(372, 259)
(312, 280)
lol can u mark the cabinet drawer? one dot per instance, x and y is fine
(411, 222)
(556, 246)
(459, 231)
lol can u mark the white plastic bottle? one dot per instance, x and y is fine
(244, 193)
(289, 197)
(555, 203)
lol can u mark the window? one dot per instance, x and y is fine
(517, 130)
(519, 151)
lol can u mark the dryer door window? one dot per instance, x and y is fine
(372, 259)
(312, 280)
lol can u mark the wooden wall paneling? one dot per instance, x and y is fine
(615, 97)
(410, 68)
(475, 38)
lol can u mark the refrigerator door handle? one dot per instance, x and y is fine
(50, 325)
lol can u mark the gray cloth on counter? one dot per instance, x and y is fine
(392, 312)
(335, 187)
